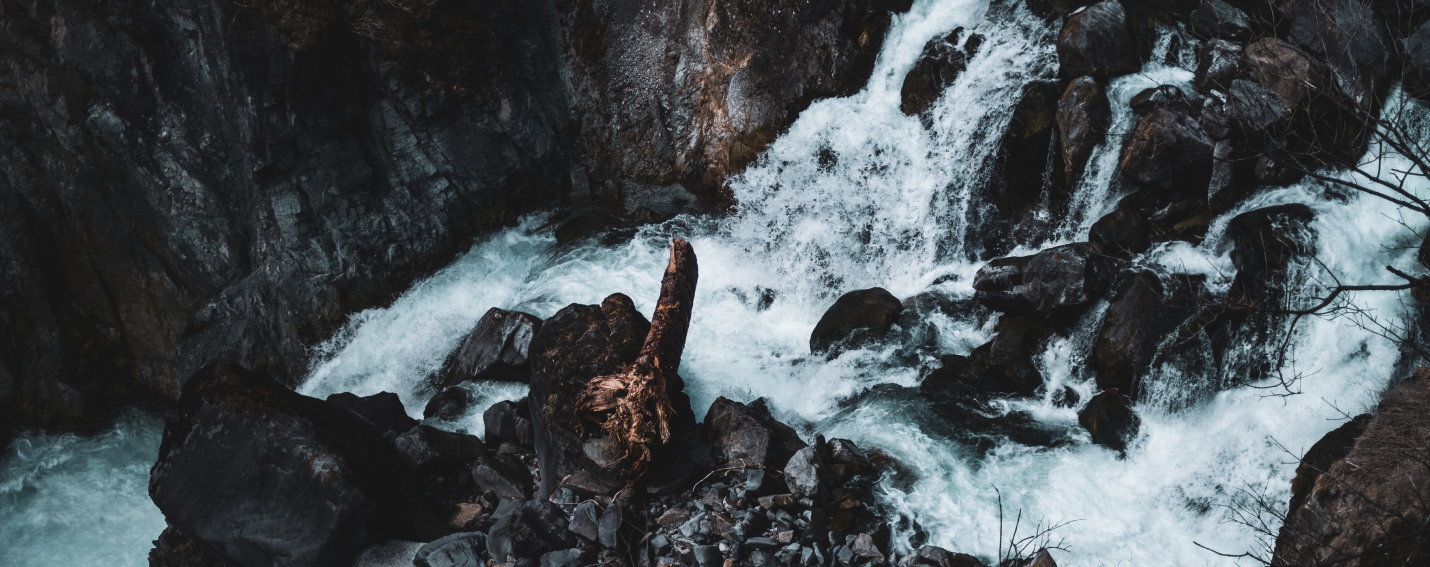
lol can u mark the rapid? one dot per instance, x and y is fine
(855, 195)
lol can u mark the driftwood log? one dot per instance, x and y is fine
(633, 407)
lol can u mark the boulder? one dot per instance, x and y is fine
(426, 447)
(499, 422)
(931, 556)
(1270, 171)
(1162, 96)
(806, 476)
(856, 318)
(1255, 112)
(1124, 232)
(1099, 40)
(1065, 278)
(1265, 244)
(1333, 447)
(997, 284)
(1018, 185)
(450, 404)
(503, 475)
(527, 530)
(610, 526)
(1083, 117)
(496, 349)
(748, 435)
(172, 549)
(1141, 314)
(565, 558)
(1231, 176)
(1415, 76)
(383, 409)
(1167, 149)
(1289, 73)
(1004, 366)
(1109, 418)
(1368, 508)
(1350, 37)
(261, 475)
(940, 64)
(1219, 62)
(1215, 19)
(467, 549)
(585, 520)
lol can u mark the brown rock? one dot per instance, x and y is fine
(1083, 115)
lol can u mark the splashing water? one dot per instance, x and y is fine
(856, 195)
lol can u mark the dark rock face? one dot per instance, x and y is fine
(941, 63)
(1319, 458)
(678, 93)
(1368, 508)
(1416, 72)
(748, 434)
(457, 550)
(856, 318)
(260, 475)
(1109, 418)
(1123, 232)
(1350, 38)
(1167, 149)
(172, 549)
(1266, 243)
(1141, 314)
(196, 188)
(1099, 41)
(1018, 182)
(1005, 365)
(1064, 278)
(1288, 72)
(495, 350)
(1083, 116)
(1215, 19)
(1219, 62)
(384, 409)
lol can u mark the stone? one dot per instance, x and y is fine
(500, 422)
(863, 546)
(1126, 231)
(1219, 62)
(464, 514)
(674, 516)
(1272, 172)
(1254, 111)
(386, 554)
(762, 544)
(1415, 76)
(708, 556)
(1018, 187)
(1098, 41)
(260, 474)
(1286, 71)
(1162, 96)
(1064, 278)
(584, 520)
(1215, 19)
(1167, 149)
(608, 531)
(465, 549)
(1231, 177)
(172, 549)
(748, 435)
(425, 446)
(1042, 559)
(1333, 447)
(383, 409)
(761, 558)
(496, 349)
(1350, 38)
(564, 558)
(857, 318)
(1140, 316)
(806, 476)
(528, 529)
(938, 66)
(1083, 117)
(503, 475)
(450, 404)
(996, 285)
(1265, 242)
(845, 460)
(938, 557)
(1109, 419)
(777, 501)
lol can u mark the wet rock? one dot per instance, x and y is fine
(1350, 38)
(805, 473)
(1215, 19)
(387, 553)
(1162, 96)
(1333, 447)
(383, 409)
(586, 224)
(496, 349)
(1219, 62)
(932, 556)
(528, 530)
(500, 422)
(1167, 149)
(844, 460)
(1287, 71)
(1054, 9)
(940, 64)
(1065, 278)
(261, 475)
(425, 446)
(172, 549)
(1272, 172)
(1109, 418)
(1042, 559)
(565, 558)
(1254, 111)
(1083, 116)
(1266, 242)
(996, 285)
(856, 318)
(503, 475)
(1124, 232)
(708, 556)
(1099, 41)
(1019, 186)
(1231, 176)
(1415, 76)
(749, 435)
(1004, 365)
(450, 404)
(467, 549)
(1141, 314)
(925, 318)
(1368, 508)
(864, 547)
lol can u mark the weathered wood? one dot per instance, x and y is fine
(637, 399)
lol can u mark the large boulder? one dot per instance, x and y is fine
(856, 318)
(1266, 244)
(1218, 63)
(496, 349)
(1168, 149)
(1288, 72)
(1215, 19)
(1142, 312)
(1010, 204)
(262, 476)
(940, 64)
(383, 409)
(1057, 281)
(1099, 40)
(1350, 37)
(1083, 116)
(1124, 232)
(1368, 508)
(1333, 447)
(749, 435)
(1109, 418)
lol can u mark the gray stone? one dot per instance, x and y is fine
(565, 558)
(584, 520)
(762, 544)
(863, 546)
(457, 550)
(805, 474)
(609, 529)
(762, 559)
(500, 422)
(708, 556)
(504, 475)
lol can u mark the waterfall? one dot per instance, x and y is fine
(854, 195)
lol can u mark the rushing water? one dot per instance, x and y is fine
(856, 195)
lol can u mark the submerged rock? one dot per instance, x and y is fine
(264, 476)
(496, 349)
(857, 318)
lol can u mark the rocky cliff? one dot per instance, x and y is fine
(186, 182)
